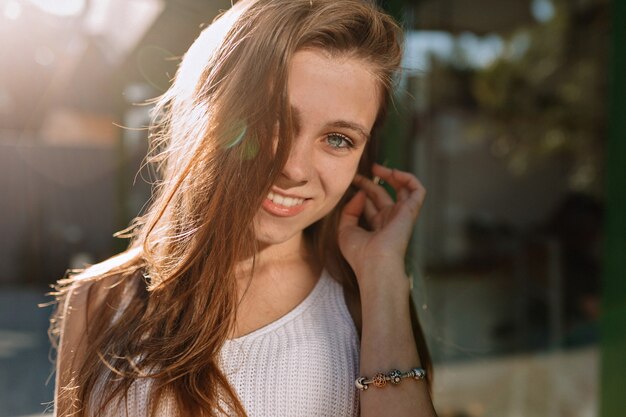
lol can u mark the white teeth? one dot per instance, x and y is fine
(284, 201)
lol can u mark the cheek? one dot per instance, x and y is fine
(338, 180)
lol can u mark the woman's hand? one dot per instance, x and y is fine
(391, 222)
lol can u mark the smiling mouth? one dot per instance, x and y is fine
(283, 206)
(286, 202)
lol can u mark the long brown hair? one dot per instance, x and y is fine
(221, 134)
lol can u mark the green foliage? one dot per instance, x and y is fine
(546, 93)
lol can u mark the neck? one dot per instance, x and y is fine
(294, 250)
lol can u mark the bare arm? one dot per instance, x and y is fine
(377, 257)
(387, 343)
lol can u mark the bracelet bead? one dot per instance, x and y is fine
(395, 376)
(380, 380)
(418, 373)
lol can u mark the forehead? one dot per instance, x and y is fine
(323, 86)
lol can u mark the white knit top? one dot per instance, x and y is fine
(303, 364)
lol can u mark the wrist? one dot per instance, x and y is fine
(385, 309)
(382, 265)
(378, 286)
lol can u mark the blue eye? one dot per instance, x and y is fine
(339, 141)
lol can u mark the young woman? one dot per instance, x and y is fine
(267, 277)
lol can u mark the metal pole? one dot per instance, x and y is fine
(613, 319)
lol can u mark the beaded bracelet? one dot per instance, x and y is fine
(395, 376)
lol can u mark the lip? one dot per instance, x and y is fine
(284, 194)
(282, 211)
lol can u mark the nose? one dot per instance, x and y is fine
(299, 165)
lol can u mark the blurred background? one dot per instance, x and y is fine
(502, 111)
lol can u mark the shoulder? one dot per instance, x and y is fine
(84, 293)
(80, 297)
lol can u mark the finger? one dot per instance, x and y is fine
(353, 209)
(402, 193)
(409, 189)
(416, 201)
(370, 211)
(379, 196)
(396, 176)
(404, 183)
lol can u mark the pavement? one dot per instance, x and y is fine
(560, 383)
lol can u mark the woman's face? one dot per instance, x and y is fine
(335, 101)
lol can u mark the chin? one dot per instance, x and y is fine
(275, 237)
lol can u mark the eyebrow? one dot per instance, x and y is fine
(337, 123)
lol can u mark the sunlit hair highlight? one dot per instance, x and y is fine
(221, 135)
